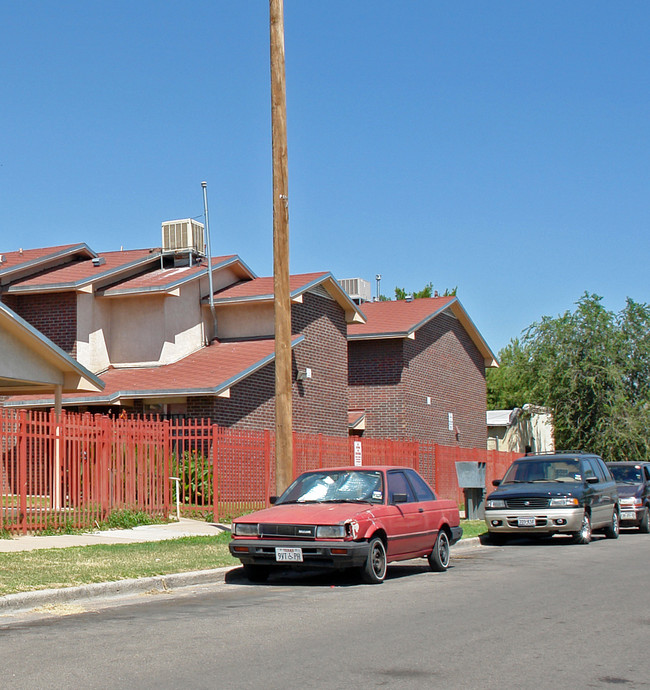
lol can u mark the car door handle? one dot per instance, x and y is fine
(420, 510)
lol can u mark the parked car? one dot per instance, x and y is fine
(348, 517)
(561, 493)
(633, 484)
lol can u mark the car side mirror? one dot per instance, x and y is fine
(273, 500)
(592, 480)
(400, 498)
(496, 482)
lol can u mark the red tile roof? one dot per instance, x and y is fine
(209, 371)
(262, 288)
(355, 416)
(78, 273)
(402, 319)
(36, 259)
(397, 318)
(166, 278)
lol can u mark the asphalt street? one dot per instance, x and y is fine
(543, 615)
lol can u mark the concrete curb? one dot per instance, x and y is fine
(25, 601)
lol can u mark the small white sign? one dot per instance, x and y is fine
(358, 457)
(450, 420)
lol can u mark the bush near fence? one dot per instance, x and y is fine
(74, 472)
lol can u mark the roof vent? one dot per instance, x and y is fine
(357, 288)
(99, 260)
(184, 235)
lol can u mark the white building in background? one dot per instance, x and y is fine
(524, 429)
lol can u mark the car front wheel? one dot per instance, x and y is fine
(374, 570)
(439, 557)
(614, 528)
(584, 535)
(644, 523)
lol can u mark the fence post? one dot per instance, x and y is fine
(215, 475)
(104, 454)
(166, 473)
(267, 467)
(320, 451)
(22, 469)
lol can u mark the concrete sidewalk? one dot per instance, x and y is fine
(184, 528)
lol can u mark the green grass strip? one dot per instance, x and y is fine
(26, 571)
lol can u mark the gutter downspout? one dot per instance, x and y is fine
(207, 230)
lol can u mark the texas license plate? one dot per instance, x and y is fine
(526, 522)
(284, 553)
(628, 515)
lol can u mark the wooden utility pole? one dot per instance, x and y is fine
(282, 303)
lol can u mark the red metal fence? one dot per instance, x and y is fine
(75, 472)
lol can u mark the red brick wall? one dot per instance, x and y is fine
(319, 404)
(442, 364)
(375, 374)
(53, 314)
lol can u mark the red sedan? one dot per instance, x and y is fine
(348, 517)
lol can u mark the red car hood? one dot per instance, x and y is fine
(309, 513)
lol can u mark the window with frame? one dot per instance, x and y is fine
(398, 484)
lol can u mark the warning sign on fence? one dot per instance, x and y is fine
(357, 454)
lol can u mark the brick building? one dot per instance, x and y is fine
(417, 371)
(144, 321)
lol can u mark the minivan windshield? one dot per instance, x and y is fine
(565, 470)
(626, 475)
(335, 487)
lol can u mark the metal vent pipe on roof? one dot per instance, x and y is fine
(207, 232)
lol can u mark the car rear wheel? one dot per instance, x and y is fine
(584, 535)
(374, 570)
(644, 523)
(614, 528)
(256, 573)
(439, 557)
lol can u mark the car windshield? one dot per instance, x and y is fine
(626, 475)
(335, 487)
(543, 471)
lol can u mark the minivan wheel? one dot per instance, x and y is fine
(644, 523)
(614, 528)
(584, 535)
(439, 557)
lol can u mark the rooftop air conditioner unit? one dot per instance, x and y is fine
(357, 288)
(183, 236)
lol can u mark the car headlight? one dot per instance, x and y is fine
(495, 503)
(630, 501)
(330, 532)
(245, 529)
(563, 501)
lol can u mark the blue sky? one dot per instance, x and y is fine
(501, 147)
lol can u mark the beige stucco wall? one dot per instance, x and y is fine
(20, 363)
(155, 329)
(245, 321)
(146, 329)
(93, 332)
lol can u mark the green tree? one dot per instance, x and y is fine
(592, 367)
(426, 291)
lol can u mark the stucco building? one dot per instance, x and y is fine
(147, 323)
